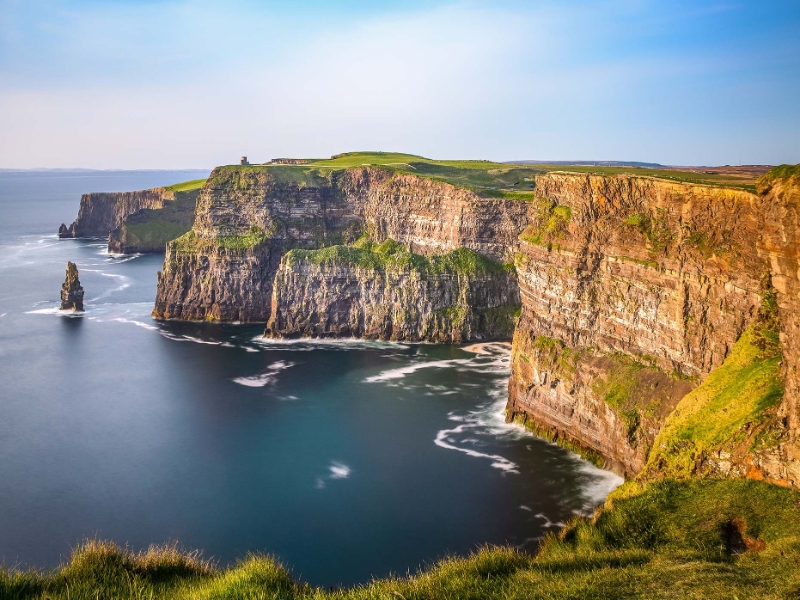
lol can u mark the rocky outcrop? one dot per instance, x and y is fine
(340, 292)
(149, 229)
(102, 212)
(71, 291)
(247, 218)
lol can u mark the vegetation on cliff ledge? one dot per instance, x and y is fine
(693, 539)
(731, 410)
(393, 256)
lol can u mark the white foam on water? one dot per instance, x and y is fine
(309, 344)
(265, 378)
(401, 372)
(498, 462)
(336, 470)
(339, 470)
(55, 310)
(118, 259)
(189, 338)
(137, 323)
(125, 282)
(256, 380)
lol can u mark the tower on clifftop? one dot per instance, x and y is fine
(244, 161)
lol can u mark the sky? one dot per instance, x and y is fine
(195, 83)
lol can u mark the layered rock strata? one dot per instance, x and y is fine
(71, 291)
(247, 218)
(102, 212)
(405, 300)
(149, 229)
(663, 274)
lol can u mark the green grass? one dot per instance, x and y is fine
(671, 540)
(551, 224)
(781, 172)
(186, 186)
(491, 179)
(392, 256)
(189, 243)
(729, 407)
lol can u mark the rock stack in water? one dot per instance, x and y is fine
(71, 291)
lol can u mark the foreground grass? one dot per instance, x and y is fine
(690, 539)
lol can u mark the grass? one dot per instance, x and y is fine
(781, 172)
(189, 243)
(491, 179)
(731, 408)
(551, 226)
(692, 539)
(393, 256)
(186, 186)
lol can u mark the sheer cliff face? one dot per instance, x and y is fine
(100, 213)
(433, 217)
(247, 218)
(779, 245)
(406, 304)
(149, 229)
(667, 274)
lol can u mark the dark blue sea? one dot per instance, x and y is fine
(345, 459)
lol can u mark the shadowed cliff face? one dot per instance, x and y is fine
(149, 229)
(406, 298)
(102, 212)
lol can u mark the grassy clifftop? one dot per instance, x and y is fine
(693, 539)
(486, 177)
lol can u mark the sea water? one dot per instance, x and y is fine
(345, 459)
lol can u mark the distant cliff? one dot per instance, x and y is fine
(102, 212)
(142, 221)
(149, 229)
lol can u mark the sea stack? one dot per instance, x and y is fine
(71, 291)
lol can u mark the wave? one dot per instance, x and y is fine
(265, 378)
(498, 462)
(336, 470)
(310, 344)
(401, 372)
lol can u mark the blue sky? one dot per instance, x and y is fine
(194, 83)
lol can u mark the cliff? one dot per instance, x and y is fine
(102, 212)
(385, 292)
(149, 229)
(633, 291)
(247, 218)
